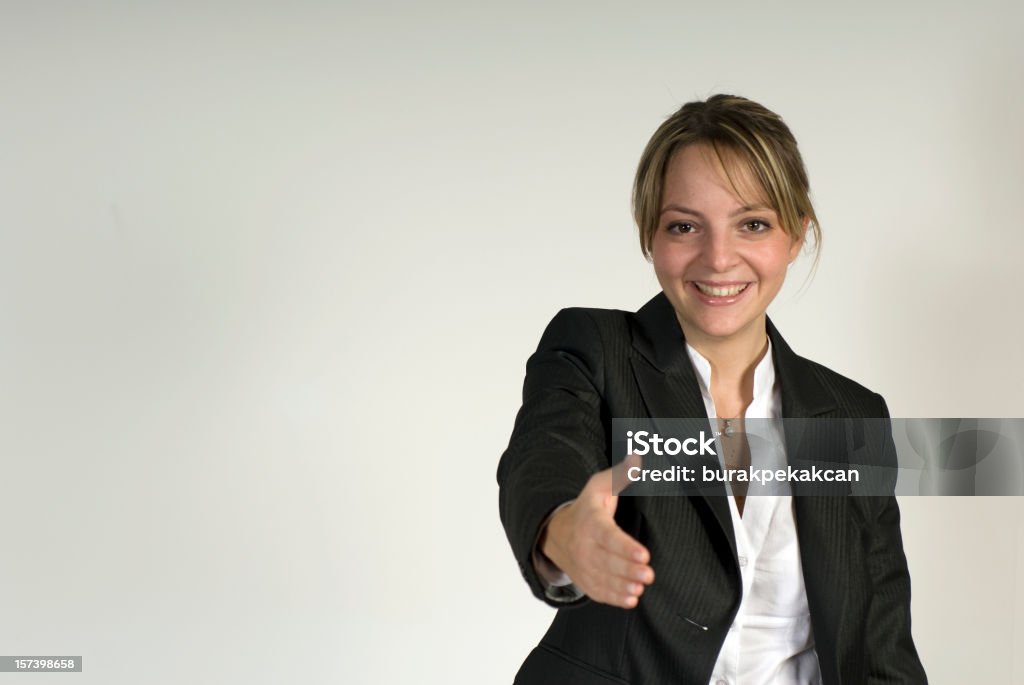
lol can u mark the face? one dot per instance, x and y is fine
(720, 259)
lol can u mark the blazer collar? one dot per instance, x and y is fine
(668, 384)
(660, 340)
(803, 395)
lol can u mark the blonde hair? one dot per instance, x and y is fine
(743, 135)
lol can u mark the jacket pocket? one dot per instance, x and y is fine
(547, 665)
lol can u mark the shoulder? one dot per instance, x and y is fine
(853, 397)
(588, 324)
(838, 381)
(598, 317)
(577, 340)
(653, 330)
(816, 390)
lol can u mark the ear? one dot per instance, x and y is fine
(797, 243)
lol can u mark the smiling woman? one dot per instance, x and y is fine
(719, 260)
(703, 588)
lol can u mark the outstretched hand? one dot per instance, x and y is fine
(584, 541)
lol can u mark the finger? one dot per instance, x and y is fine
(628, 570)
(615, 541)
(626, 595)
(610, 580)
(614, 591)
(620, 589)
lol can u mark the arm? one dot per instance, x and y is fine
(558, 586)
(558, 494)
(889, 646)
(558, 440)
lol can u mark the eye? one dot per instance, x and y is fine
(756, 225)
(680, 227)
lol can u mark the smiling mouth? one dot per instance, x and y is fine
(721, 290)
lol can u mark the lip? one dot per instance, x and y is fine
(722, 301)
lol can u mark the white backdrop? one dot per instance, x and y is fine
(270, 274)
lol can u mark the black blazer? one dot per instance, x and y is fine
(593, 365)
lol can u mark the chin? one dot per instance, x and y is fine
(723, 333)
(720, 328)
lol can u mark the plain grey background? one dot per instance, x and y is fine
(254, 254)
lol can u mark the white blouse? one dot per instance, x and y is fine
(770, 641)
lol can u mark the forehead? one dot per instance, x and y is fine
(703, 173)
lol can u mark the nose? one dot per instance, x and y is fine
(718, 250)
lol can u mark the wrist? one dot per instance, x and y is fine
(548, 545)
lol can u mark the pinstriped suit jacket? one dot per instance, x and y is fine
(593, 365)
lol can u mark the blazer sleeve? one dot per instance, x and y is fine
(889, 646)
(559, 439)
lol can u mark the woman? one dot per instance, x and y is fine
(700, 589)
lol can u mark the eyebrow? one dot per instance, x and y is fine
(686, 210)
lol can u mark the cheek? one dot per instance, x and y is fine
(667, 269)
(772, 260)
(773, 268)
(669, 260)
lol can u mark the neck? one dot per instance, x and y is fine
(732, 359)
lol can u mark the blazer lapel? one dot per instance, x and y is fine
(802, 395)
(821, 522)
(669, 385)
(670, 388)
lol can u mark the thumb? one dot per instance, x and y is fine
(605, 486)
(620, 472)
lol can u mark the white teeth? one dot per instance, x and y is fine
(726, 291)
